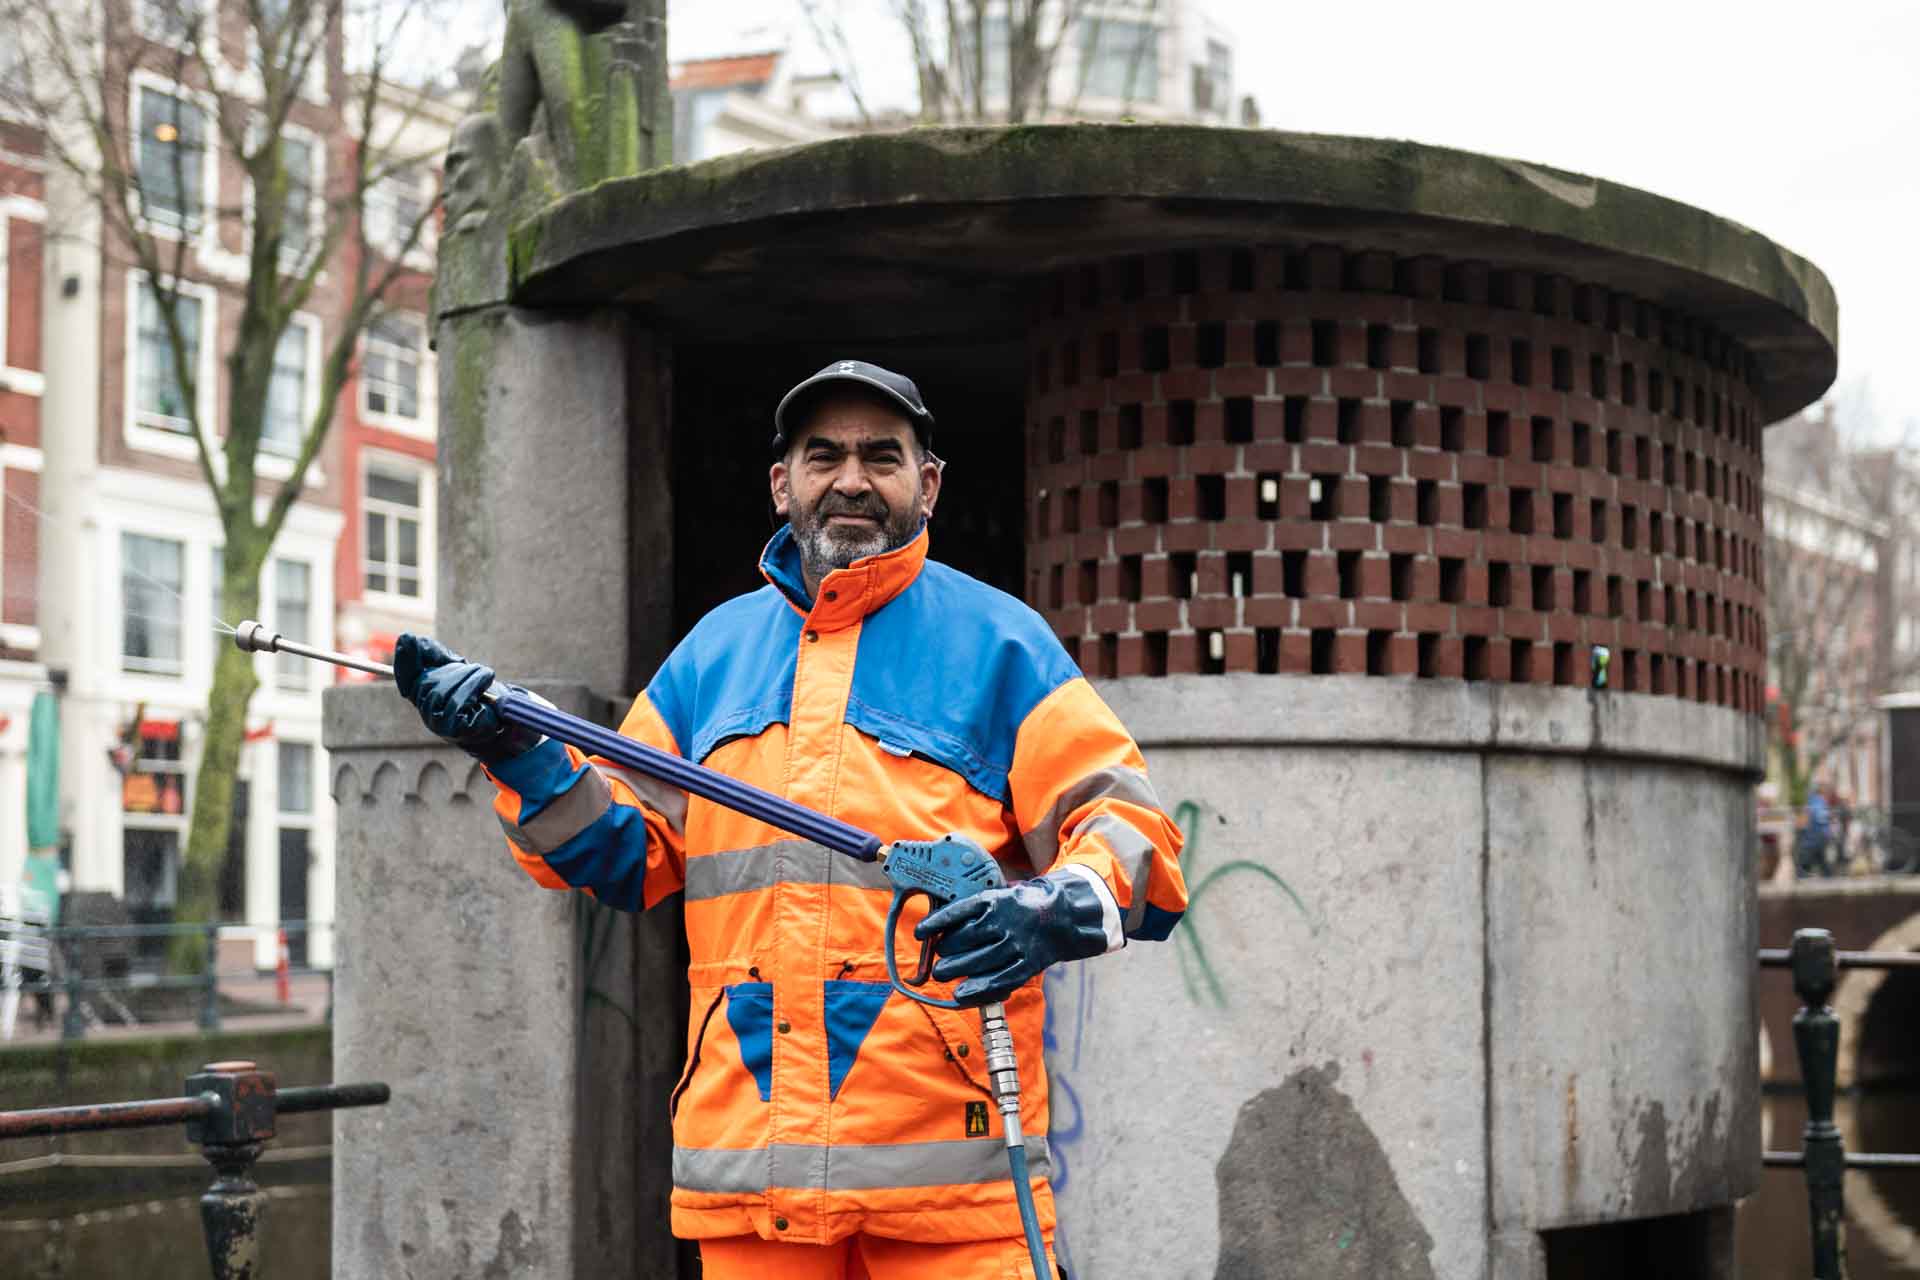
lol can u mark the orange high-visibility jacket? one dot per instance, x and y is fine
(912, 701)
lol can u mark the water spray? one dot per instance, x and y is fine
(944, 870)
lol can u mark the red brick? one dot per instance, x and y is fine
(1429, 617)
(1215, 613)
(1350, 653)
(1353, 535)
(1375, 578)
(1377, 615)
(1320, 614)
(1269, 611)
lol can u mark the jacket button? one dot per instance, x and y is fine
(813, 635)
(785, 1026)
(963, 1050)
(779, 1224)
(833, 595)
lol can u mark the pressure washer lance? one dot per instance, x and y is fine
(944, 870)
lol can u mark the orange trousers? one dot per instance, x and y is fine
(867, 1258)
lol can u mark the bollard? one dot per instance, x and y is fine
(1816, 1035)
(73, 1026)
(231, 1134)
(210, 1002)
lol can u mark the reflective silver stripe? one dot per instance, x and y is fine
(963, 1161)
(566, 816)
(714, 875)
(669, 802)
(1116, 783)
(1135, 853)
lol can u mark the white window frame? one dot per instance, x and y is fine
(316, 197)
(312, 87)
(392, 601)
(123, 658)
(144, 20)
(26, 382)
(421, 255)
(201, 231)
(426, 424)
(1149, 90)
(16, 457)
(278, 466)
(141, 434)
(302, 679)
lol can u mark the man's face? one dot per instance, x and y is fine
(852, 484)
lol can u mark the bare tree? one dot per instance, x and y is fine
(152, 109)
(1837, 532)
(985, 60)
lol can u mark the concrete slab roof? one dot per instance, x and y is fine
(934, 234)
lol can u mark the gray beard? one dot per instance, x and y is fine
(824, 549)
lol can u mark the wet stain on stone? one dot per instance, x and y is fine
(1306, 1191)
(516, 1254)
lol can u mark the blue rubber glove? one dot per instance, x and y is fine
(446, 690)
(999, 938)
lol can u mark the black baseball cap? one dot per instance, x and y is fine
(896, 388)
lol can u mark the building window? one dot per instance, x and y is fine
(1120, 60)
(296, 777)
(292, 604)
(995, 85)
(159, 392)
(296, 233)
(285, 425)
(150, 863)
(172, 158)
(390, 373)
(174, 21)
(393, 531)
(150, 584)
(395, 206)
(155, 777)
(1213, 80)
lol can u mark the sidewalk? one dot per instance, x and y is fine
(248, 1002)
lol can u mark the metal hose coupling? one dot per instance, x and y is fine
(1003, 1069)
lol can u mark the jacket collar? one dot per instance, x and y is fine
(847, 595)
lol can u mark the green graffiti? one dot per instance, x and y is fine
(1196, 970)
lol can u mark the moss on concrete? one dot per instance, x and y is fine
(1287, 186)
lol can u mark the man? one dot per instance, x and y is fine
(825, 1127)
(1813, 838)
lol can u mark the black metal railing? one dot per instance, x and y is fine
(230, 1110)
(1816, 1037)
(106, 961)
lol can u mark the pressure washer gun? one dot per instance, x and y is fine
(945, 870)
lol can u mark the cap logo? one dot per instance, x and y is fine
(846, 366)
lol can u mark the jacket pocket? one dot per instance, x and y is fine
(851, 1010)
(695, 1041)
(750, 1015)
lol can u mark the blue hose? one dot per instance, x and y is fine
(1029, 1216)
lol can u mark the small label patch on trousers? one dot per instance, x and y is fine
(976, 1119)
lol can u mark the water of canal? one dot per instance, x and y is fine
(1883, 1208)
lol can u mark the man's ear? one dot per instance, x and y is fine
(930, 472)
(777, 483)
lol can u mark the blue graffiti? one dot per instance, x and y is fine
(1067, 1123)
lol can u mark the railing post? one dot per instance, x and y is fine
(230, 1137)
(1816, 1035)
(210, 1002)
(73, 1026)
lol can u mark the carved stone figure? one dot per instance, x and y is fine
(583, 82)
(473, 171)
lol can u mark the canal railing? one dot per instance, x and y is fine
(230, 1110)
(96, 966)
(1815, 964)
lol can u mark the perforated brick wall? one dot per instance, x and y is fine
(1306, 460)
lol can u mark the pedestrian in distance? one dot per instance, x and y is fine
(825, 1127)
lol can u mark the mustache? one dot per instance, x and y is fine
(833, 504)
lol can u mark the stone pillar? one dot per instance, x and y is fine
(531, 1037)
(1471, 941)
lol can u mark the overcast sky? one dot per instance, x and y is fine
(1801, 121)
